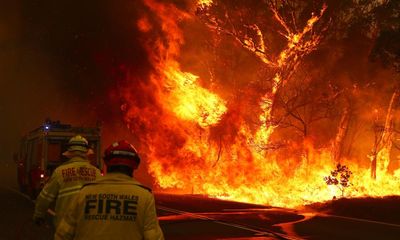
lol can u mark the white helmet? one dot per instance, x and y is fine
(78, 146)
(78, 143)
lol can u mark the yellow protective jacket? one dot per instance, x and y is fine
(63, 185)
(114, 207)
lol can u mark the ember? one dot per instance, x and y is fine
(267, 137)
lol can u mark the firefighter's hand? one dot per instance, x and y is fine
(39, 221)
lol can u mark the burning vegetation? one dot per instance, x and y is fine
(259, 101)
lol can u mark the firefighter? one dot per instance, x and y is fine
(114, 207)
(66, 181)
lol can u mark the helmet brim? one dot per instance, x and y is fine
(71, 154)
(122, 161)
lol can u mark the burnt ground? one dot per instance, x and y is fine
(360, 218)
(366, 218)
(383, 209)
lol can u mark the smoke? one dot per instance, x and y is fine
(66, 60)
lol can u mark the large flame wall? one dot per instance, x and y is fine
(199, 139)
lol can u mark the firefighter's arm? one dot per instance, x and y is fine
(46, 197)
(67, 227)
(152, 230)
(98, 173)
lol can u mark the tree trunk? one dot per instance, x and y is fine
(381, 154)
(387, 134)
(341, 134)
(373, 167)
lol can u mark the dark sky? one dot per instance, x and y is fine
(63, 59)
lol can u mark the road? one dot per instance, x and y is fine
(189, 216)
(16, 218)
(201, 218)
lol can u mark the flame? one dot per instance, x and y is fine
(204, 3)
(296, 41)
(196, 142)
(191, 102)
(299, 44)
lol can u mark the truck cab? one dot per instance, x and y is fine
(41, 152)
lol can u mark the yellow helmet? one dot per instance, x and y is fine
(78, 143)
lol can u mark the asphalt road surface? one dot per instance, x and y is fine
(16, 218)
(198, 217)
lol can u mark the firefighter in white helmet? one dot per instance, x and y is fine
(114, 207)
(66, 181)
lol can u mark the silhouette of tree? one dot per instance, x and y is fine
(339, 177)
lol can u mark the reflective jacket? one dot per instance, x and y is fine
(63, 186)
(114, 207)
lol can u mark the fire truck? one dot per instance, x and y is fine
(41, 152)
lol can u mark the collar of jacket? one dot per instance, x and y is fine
(115, 176)
(76, 159)
(118, 178)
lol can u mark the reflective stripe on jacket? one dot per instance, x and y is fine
(63, 185)
(114, 207)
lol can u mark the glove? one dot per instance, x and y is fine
(39, 221)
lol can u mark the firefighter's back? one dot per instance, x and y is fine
(114, 207)
(66, 181)
(71, 176)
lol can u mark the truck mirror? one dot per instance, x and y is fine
(15, 157)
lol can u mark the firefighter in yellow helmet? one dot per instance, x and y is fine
(66, 181)
(114, 207)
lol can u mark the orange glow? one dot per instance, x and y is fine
(296, 42)
(204, 3)
(191, 102)
(144, 25)
(195, 143)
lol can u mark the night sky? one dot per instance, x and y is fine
(65, 60)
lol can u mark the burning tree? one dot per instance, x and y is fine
(340, 177)
(377, 21)
(386, 28)
(299, 37)
(383, 141)
(305, 102)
